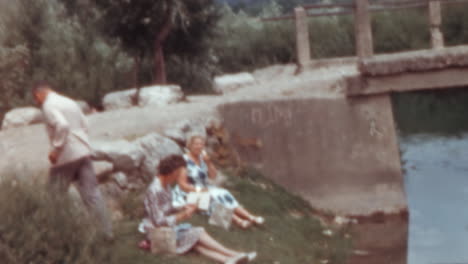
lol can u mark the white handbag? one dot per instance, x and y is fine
(221, 216)
(163, 240)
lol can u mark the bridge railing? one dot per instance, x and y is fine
(362, 22)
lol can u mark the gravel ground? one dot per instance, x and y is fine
(25, 149)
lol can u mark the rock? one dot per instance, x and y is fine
(118, 100)
(103, 168)
(160, 95)
(155, 147)
(182, 130)
(112, 191)
(121, 179)
(125, 156)
(22, 117)
(149, 96)
(232, 82)
(136, 183)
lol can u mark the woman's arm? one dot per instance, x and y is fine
(153, 203)
(186, 213)
(184, 184)
(212, 172)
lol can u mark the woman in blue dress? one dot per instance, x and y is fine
(160, 213)
(199, 169)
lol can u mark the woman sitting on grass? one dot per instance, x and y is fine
(160, 213)
(200, 168)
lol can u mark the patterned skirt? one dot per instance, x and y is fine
(222, 196)
(218, 195)
(187, 237)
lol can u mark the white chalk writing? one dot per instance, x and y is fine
(270, 115)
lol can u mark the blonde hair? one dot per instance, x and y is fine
(192, 138)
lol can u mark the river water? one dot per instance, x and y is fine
(436, 182)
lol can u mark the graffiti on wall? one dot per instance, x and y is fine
(269, 115)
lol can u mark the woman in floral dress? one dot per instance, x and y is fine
(200, 168)
(160, 213)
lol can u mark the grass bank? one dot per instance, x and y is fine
(291, 233)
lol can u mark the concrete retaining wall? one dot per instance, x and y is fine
(340, 154)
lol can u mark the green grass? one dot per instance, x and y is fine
(290, 235)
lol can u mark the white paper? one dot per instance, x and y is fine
(204, 202)
(192, 198)
(201, 200)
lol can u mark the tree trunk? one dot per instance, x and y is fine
(136, 71)
(159, 61)
(160, 64)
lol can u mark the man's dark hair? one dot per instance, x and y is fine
(41, 85)
(171, 163)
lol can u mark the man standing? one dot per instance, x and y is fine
(70, 153)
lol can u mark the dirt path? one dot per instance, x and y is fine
(25, 149)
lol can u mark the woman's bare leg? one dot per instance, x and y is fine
(208, 242)
(241, 212)
(211, 254)
(241, 222)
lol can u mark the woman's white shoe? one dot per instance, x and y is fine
(244, 224)
(252, 255)
(258, 220)
(239, 259)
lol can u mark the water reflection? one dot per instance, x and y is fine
(436, 180)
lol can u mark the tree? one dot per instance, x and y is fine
(159, 28)
(13, 65)
(39, 40)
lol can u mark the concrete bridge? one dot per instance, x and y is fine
(341, 151)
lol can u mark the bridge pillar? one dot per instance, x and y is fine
(302, 37)
(363, 31)
(435, 20)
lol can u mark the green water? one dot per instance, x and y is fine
(440, 112)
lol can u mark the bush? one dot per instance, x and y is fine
(42, 227)
(13, 64)
(332, 36)
(246, 43)
(193, 73)
(455, 24)
(395, 31)
(69, 53)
